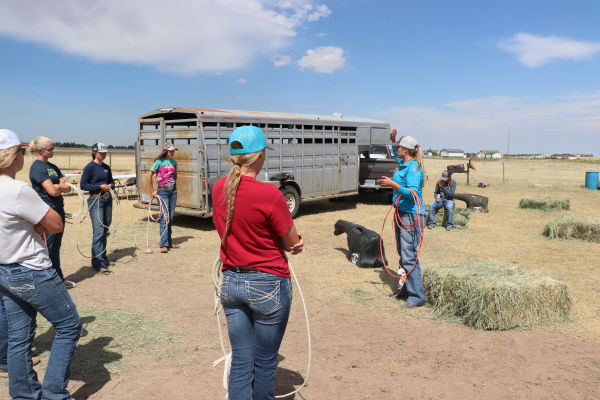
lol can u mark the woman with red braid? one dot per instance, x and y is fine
(407, 184)
(256, 229)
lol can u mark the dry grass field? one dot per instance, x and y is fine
(150, 332)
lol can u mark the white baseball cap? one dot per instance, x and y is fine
(99, 148)
(407, 141)
(8, 139)
(169, 146)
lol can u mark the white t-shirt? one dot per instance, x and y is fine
(20, 209)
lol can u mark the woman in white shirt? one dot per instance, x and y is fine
(29, 285)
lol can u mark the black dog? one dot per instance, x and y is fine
(363, 244)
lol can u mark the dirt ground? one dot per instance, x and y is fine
(150, 332)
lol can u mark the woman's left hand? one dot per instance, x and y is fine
(386, 181)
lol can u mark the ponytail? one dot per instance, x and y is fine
(417, 154)
(161, 155)
(38, 144)
(233, 182)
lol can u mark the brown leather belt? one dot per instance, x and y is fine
(104, 195)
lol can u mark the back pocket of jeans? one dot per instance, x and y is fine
(23, 287)
(223, 289)
(263, 296)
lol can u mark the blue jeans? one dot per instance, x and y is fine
(257, 307)
(100, 214)
(54, 242)
(25, 292)
(436, 205)
(170, 199)
(407, 244)
(3, 336)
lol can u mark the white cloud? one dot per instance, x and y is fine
(534, 51)
(534, 124)
(280, 60)
(324, 60)
(178, 36)
(241, 81)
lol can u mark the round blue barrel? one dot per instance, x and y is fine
(591, 180)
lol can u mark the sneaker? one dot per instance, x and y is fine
(430, 226)
(410, 305)
(69, 284)
(448, 229)
(106, 271)
(164, 249)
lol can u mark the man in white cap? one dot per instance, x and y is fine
(444, 197)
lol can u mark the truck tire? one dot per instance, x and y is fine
(292, 198)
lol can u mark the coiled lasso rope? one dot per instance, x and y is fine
(83, 214)
(416, 225)
(163, 210)
(226, 358)
(82, 207)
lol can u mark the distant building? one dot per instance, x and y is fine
(453, 153)
(565, 156)
(489, 154)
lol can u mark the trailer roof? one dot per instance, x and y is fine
(211, 113)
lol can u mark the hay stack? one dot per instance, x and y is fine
(489, 295)
(582, 228)
(545, 203)
(461, 217)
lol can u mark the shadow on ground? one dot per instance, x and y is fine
(89, 361)
(286, 381)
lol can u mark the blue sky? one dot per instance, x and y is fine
(460, 74)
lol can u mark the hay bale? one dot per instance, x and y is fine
(461, 217)
(465, 212)
(490, 295)
(545, 203)
(582, 228)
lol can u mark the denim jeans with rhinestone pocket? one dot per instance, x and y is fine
(257, 307)
(24, 293)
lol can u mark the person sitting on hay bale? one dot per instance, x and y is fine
(444, 197)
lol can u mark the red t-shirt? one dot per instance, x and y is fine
(260, 217)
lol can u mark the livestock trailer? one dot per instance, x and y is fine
(315, 156)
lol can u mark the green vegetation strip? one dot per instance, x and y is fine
(582, 228)
(490, 295)
(108, 335)
(545, 203)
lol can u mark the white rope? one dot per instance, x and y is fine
(77, 213)
(216, 278)
(113, 228)
(163, 210)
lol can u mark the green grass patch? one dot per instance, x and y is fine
(490, 295)
(360, 295)
(545, 203)
(108, 335)
(567, 227)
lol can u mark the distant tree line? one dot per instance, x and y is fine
(81, 145)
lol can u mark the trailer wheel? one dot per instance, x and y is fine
(292, 198)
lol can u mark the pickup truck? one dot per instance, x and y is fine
(375, 162)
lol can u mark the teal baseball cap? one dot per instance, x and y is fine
(250, 138)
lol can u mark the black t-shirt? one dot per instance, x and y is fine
(38, 173)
